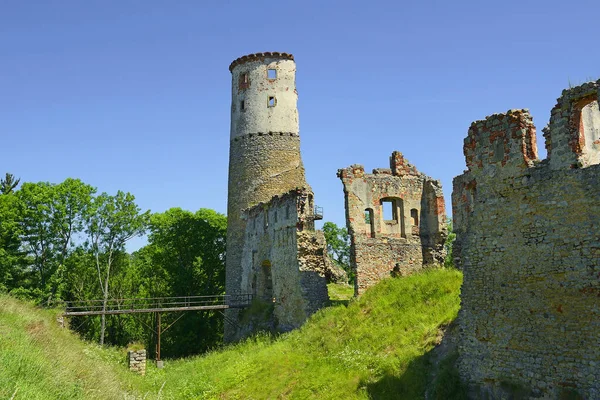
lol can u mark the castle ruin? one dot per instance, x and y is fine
(396, 219)
(273, 251)
(528, 242)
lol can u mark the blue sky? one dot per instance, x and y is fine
(135, 95)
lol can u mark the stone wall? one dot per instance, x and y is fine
(413, 233)
(137, 361)
(284, 261)
(528, 242)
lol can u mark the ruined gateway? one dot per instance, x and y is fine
(273, 251)
(528, 242)
(396, 219)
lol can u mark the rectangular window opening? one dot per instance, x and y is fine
(244, 81)
(242, 105)
(271, 74)
(272, 101)
(388, 210)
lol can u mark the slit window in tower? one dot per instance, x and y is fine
(242, 105)
(272, 101)
(244, 81)
(271, 74)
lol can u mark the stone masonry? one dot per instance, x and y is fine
(528, 241)
(396, 220)
(283, 261)
(137, 361)
(264, 163)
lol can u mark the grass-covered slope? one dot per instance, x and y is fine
(40, 360)
(372, 348)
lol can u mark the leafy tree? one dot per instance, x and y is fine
(36, 226)
(11, 257)
(52, 215)
(449, 261)
(8, 184)
(186, 257)
(338, 247)
(110, 222)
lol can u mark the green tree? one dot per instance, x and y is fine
(8, 184)
(186, 257)
(338, 247)
(52, 215)
(11, 257)
(449, 261)
(110, 222)
(36, 226)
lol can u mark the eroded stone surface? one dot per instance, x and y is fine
(413, 233)
(528, 242)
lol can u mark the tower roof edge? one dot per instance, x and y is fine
(259, 56)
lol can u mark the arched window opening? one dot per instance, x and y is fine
(266, 283)
(369, 223)
(414, 217)
(414, 220)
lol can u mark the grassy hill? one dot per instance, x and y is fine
(373, 347)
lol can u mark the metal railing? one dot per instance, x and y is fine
(318, 213)
(156, 304)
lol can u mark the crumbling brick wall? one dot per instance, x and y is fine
(412, 236)
(284, 261)
(528, 242)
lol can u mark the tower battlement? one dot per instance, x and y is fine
(259, 57)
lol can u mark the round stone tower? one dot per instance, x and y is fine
(264, 152)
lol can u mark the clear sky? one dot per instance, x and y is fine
(135, 95)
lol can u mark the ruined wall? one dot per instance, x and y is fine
(283, 261)
(264, 154)
(410, 236)
(137, 361)
(528, 242)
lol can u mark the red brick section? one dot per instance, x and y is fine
(515, 131)
(577, 136)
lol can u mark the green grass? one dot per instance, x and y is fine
(40, 360)
(373, 347)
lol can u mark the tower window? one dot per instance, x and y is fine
(271, 74)
(272, 101)
(242, 105)
(244, 81)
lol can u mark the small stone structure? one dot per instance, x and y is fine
(267, 181)
(528, 241)
(137, 361)
(396, 219)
